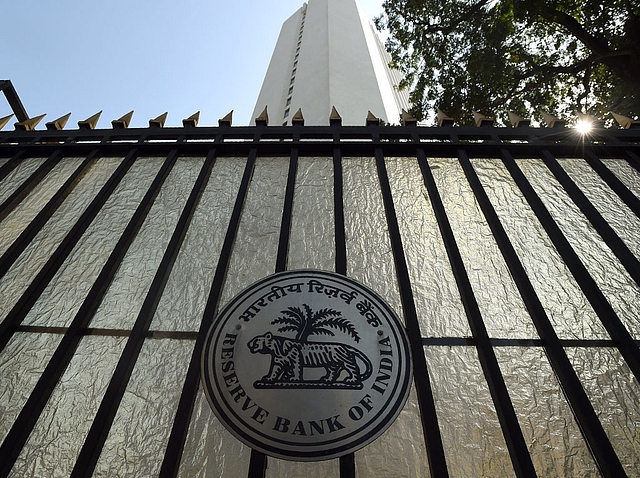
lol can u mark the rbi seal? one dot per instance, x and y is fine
(306, 365)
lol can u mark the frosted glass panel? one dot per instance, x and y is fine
(312, 239)
(210, 450)
(436, 295)
(62, 298)
(615, 395)
(619, 289)
(128, 290)
(13, 225)
(19, 175)
(140, 432)
(500, 304)
(625, 173)
(621, 219)
(21, 364)
(369, 255)
(253, 257)
(400, 452)
(471, 434)
(187, 289)
(565, 304)
(552, 434)
(65, 421)
(18, 278)
(256, 246)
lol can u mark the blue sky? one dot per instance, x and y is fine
(83, 56)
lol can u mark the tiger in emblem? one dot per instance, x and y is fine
(289, 358)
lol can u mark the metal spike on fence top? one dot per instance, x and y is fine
(158, 122)
(407, 119)
(518, 121)
(552, 121)
(443, 119)
(334, 118)
(123, 121)
(624, 121)
(29, 124)
(59, 123)
(263, 118)
(227, 120)
(372, 120)
(4, 120)
(192, 120)
(482, 120)
(298, 119)
(91, 122)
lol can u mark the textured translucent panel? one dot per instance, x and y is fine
(471, 434)
(129, 287)
(552, 434)
(622, 220)
(615, 395)
(140, 432)
(210, 450)
(18, 278)
(319, 469)
(15, 178)
(21, 363)
(369, 255)
(61, 430)
(625, 173)
(253, 257)
(400, 451)
(185, 295)
(498, 298)
(434, 288)
(620, 290)
(256, 245)
(312, 240)
(63, 296)
(566, 306)
(13, 225)
(3, 160)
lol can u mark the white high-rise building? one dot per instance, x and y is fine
(328, 54)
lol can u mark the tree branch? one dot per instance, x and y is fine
(592, 42)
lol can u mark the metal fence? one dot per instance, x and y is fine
(510, 253)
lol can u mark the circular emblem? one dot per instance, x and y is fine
(306, 365)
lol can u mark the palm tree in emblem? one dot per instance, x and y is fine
(307, 322)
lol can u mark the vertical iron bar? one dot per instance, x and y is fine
(430, 429)
(595, 436)
(617, 246)
(258, 461)
(613, 182)
(24, 239)
(634, 160)
(110, 403)
(175, 446)
(31, 411)
(612, 323)
(347, 462)
(338, 210)
(42, 279)
(285, 225)
(10, 165)
(518, 450)
(27, 186)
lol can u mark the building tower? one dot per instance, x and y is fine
(328, 54)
